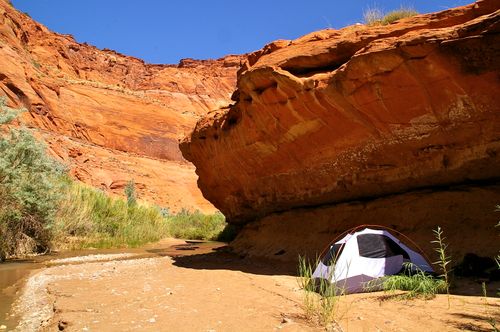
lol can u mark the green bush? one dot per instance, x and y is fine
(228, 234)
(40, 205)
(195, 225)
(30, 189)
(374, 16)
(414, 281)
(94, 219)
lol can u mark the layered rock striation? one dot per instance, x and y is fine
(362, 116)
(107, 114)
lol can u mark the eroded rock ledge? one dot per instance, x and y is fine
(355, 114)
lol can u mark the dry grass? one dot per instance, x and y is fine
(375, 16)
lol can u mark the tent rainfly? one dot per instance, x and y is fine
(364, 256)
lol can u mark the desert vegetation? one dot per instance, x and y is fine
(30, 189)
(88, 217)
(414, 282)
(320, 298)
(375, 16)
(42, 207)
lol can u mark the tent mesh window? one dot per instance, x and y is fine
(379, 246)
(333, 254)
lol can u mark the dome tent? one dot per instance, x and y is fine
(363, 256)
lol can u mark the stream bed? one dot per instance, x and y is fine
(14, 273)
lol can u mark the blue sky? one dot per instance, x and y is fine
(165, 31)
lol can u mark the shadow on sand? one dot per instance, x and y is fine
(221, 259)
(217, 256)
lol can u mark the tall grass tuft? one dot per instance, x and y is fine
(320, 298)
(444, 260)
(372, 16)
(93, 219)
(414, 281)
(375, 16)
(197, 226)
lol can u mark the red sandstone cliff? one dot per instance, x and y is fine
(396, 125)
(111, 117)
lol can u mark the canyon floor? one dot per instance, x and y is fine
(179, 286)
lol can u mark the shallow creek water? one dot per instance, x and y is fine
(14, 273)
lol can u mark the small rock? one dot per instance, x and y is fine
(62, 325)
(217, 289)
(3, 327)
(286, 320)
(152, 320)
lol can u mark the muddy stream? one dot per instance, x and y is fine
(14, 273)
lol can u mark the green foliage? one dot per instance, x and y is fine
(395, 15)
(130, 193)
(94, 219)
(164, 211)
(228, 234)
(40, 204)
(444, 260)
(374, 16)
(195, 225)
(414, 281)
(30, 189)
(320, 298)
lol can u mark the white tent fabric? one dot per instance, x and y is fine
(351, 269)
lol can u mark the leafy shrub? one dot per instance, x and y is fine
(196, 225)
(30, 189)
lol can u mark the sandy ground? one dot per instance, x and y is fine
(216, 291)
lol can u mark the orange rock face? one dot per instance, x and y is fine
(358, 114)
(111, 117)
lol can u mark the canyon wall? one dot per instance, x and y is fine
(112, 118)
(397, 125)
